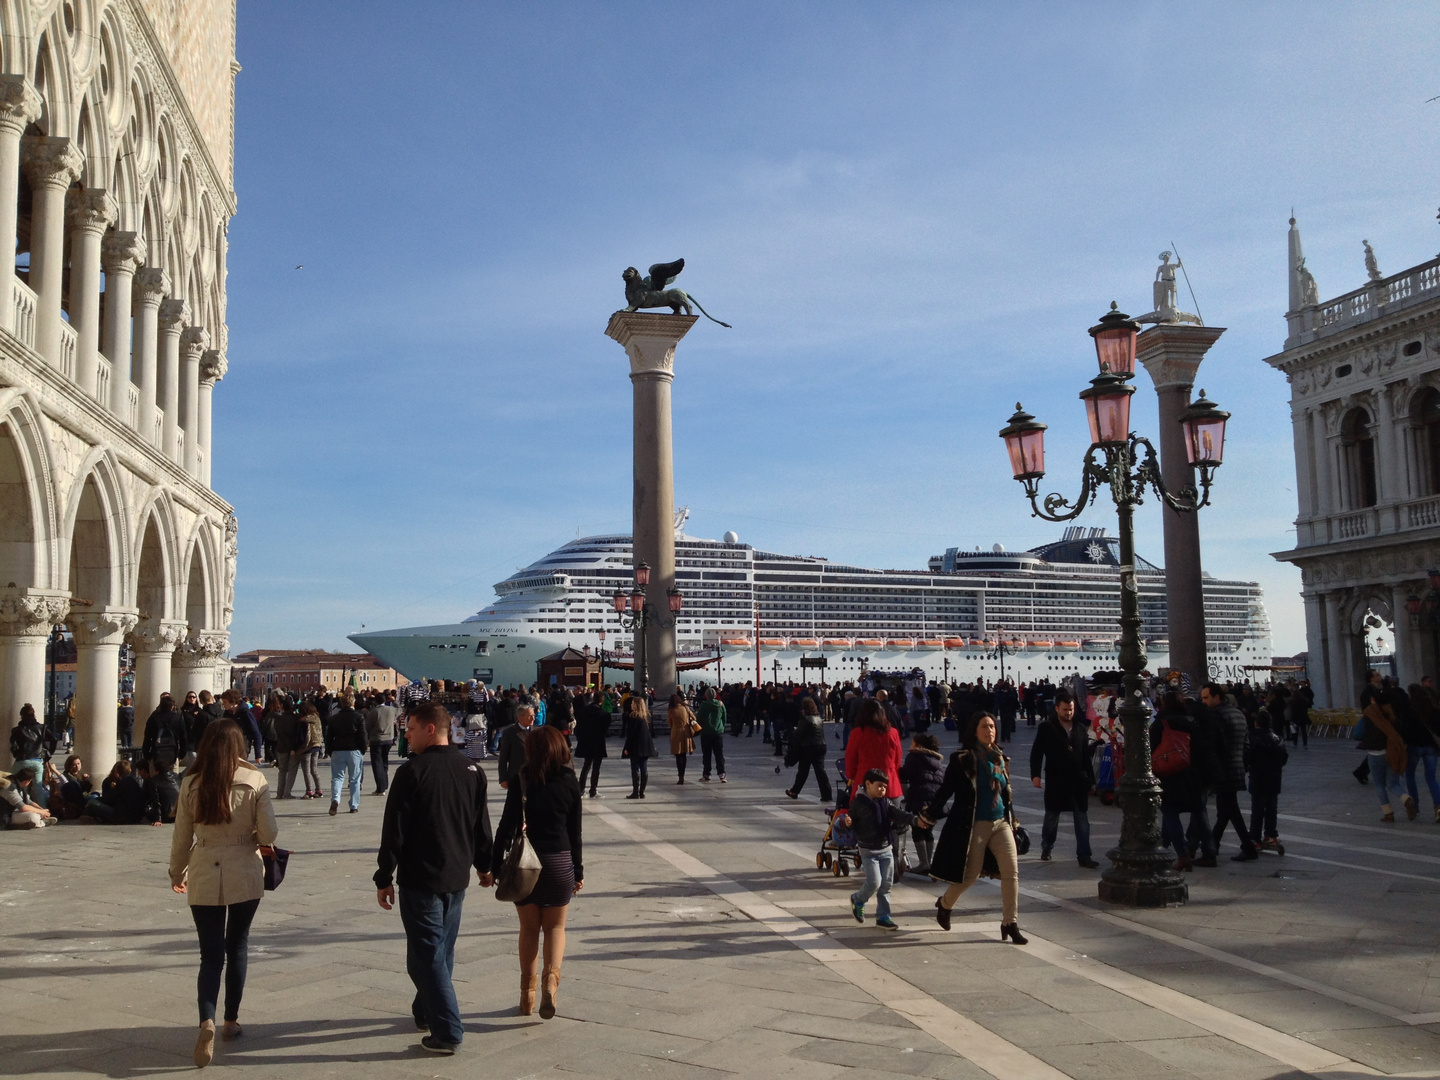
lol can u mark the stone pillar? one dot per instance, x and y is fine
(154, 641)
(1388, 483)
(121, 253)
(192, 344)
(173, 314)
(26, 616)
(151, 285)
(212, 369)
(1315, 667)
(1304, 473)
(649, 340)
(194, 661)
(1171, 353)
(19, 104)
(52, 164)
(1409, 664)
(91, 211)
(98, 635)
(1338, 655)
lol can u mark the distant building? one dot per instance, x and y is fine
(303, 671)
(1364, 374)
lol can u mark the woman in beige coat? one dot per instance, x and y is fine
(682, 733)
(222, 820)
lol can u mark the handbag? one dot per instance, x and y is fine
(1022, 840)
(1172, 754)
(521, 868)
(276, 859)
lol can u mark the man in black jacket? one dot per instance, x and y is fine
(346, 743)
(1234, 735)
(166, 742)
(1062, 746)
(436, 827)
(512, 745)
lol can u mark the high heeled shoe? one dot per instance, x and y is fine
(549, 992)
(1012, 931)
(942, 914)
(528, 985)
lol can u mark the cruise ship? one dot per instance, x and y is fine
(1051, 611)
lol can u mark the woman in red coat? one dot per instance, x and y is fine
(874, 744)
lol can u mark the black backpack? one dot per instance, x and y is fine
(166, 748)
(27, 742)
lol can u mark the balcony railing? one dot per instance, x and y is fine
(157, 436)
(1354, 525)
(132, 407)
(1413, 286)
(24, 313)
(102, 381)
(68, 339)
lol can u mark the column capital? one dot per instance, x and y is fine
(151, 285)
(1171, 352)
(109, 626)
(31, 612)
(158, 635)
(121, 252)
(649, 340)
(213, 366)
(19, 103)
(193, 341)
(173, 314)
(50, 162)
(91, 209)
(201, 648)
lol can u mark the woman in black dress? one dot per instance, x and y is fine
(548, 799)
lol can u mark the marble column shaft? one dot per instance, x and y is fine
(212, 369)
(98, 636)
(19, 105)
(121, 253)
(192, 344)
(173, 313)
(26, 616)
(154, 641)
(51, 164)
(90, 213)
(151, 285)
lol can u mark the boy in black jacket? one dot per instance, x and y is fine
(1267, 761)
(874, 818)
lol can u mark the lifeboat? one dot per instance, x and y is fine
(934, 644)
(772, 644)
(1038, 646)
(976, 645)
(1067, 646)
(953, 643)
(835, 644)
(1015, 645)
(804, 643)
(869, 644)
(900, 644)
(1104, 645)
(736, 644)
(1158, 644)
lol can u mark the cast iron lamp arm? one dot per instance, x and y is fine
(1187, 500)
(1092, 474)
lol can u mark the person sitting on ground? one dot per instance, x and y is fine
(31, 744)
(124, 799)
(74, 786)
(18, 808)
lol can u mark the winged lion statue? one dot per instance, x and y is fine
(653, 291)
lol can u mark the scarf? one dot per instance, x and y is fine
(1383, 717)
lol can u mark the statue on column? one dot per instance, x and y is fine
(1167, 309)
(653, 291)
(1309, 291)
(232, 552)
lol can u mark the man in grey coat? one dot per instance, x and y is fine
(512, 745)
(1233, 735)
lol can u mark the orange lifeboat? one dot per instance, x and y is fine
(1067, 646)
(835, 644)
(804, 643)
(869, 644)
(772, 644)
(900, 644)
(1039, 646)
(736, 644)
(931, 644)
(953, 643)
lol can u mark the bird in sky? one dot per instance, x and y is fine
(300, 267)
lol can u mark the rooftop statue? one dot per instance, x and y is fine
(1166, 308)
(653, 291)
(1309, 291)
(1371, 266)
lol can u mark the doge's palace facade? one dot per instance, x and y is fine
(116, 186)
(1364, 374)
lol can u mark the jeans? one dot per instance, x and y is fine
(1199, 834)
(1384, 778)
(1227, 812)
(680, 760)
(1263, 811)
(1428, 756)
(380, 764)
(310, 769)
(1050, 827)
(167, 791)
(287, 763)
(879, 867)
(591, 767)
(639, 772)
(346, 765)
(712, 743)
(1172, 833)
(224, 946)
(812, 759)
(432, 922)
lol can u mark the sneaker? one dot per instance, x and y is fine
(421, 1024)
(1412, 808)
(435, 1046)
(1044, 854)
(334, 807)
(722, 779)
(354, 809)
(858, 910)
(704, 779)
(887, 923)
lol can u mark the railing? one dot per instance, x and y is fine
(132, 406)
(157, 437)
(68, 339)
(102, 380)
(1415, 285)
(1354, 525)
(24, 313)
(1420, 514)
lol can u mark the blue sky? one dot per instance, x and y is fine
(910, 214)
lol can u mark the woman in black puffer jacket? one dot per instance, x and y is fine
(922, 774)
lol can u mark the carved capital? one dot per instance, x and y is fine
(121, 252)
(649, 341)
(50, 162)
(91, 209)
(31, 612)
(158, 635)
(151, 285)
(173, 314)
(19, 104)
(193, 341)
(201, 649)
(108, 627)
(213, 366)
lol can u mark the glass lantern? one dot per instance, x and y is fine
(1204, 425)
(1025, 442)
(1115, 341)
(677, 602)
(642, 574)
(1107, 406)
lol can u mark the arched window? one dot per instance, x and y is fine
(1425, 414)
(1357, 450)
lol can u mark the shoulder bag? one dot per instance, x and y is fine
(521, 869)
(1172, 753)
(275, 859)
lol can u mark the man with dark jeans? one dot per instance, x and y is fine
(1062, 746)
(436, 827)
(1234, 735)
(710, 714)
(380, 730)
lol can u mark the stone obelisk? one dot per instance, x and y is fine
(649, 341)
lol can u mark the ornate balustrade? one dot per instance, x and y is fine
(24, 313)
(1417, 284)
(102, 380)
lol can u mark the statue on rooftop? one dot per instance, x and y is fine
(652, 291)
(1309, 291)
(1166, 307)
(1371, 266)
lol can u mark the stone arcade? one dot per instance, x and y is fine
(116, 123)
(1364, 373)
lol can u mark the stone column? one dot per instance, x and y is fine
(1305, 483)
(194, 661)
(98, 635)
(151, 285)
(1171, 353)
(19, 104)
(154, 641)
(1337, 655)
(192, 344)
(1388, 483)
(1315, 668)
(121, 253)
(91, 211)
(649, 340)
(212, 369)
(173, 314)
(26, 616)
(52, 165)
(1408, 661)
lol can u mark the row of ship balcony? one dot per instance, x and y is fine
(975, 646)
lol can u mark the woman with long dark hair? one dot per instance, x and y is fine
(309, 738)
(682, 733)
(546, 802)
(979, 834)
(874, 744)
(222, 821)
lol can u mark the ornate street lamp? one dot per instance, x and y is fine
(635, 614)
(1141, 874)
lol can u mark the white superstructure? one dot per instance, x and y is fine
(1055, 608)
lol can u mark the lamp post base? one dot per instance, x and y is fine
(1142, 879)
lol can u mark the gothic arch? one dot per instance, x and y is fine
(97, 527)
(27, 508)
(202, 592)
(157, 573)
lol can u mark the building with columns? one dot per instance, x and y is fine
(1364, 374)
(116, 186)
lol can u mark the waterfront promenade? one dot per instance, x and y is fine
(706, 943)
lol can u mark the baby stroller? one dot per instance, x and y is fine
(1111, 756)
(839, 849)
